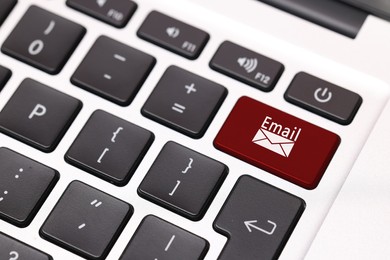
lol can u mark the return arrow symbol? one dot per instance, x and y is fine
(250, 225)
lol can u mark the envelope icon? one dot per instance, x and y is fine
(273, 142)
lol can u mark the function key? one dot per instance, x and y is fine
(173, 35)
(5, 8)
(38, 115)
(102, 147)
(324, 98)
(113, 70)
(184, 101)
(25, 183)
(183, 180)
(247, 66)
(277, 142)
(258, 219)
(86, 221)
(43, 39)
(13, 249)
(158, 239)
(114, 12)
(5, 74)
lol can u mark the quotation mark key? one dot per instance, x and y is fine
(96, 203)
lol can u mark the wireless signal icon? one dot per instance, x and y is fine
(248, 64)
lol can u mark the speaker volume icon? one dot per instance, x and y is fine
(101, 3)
(172, 32)
(248, 64)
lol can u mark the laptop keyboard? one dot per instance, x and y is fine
(192, 162)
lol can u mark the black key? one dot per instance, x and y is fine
(109, 147)
(334, 15)
(5, 8)
(183, 180)
(173, 35)
(247, 66)
(13, 249)
(114, 12)
(5, 74)
(38, 115)
(257, 219)
(324, 98)
(86, 221)
(381, 8)
(113, 70)
(24, 186)
(184, 101)
(43, 40)
(158, 239)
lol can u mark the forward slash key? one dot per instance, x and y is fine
(82, 226)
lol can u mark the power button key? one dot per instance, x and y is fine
(323, 98)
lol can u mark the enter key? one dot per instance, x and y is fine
(258, 219)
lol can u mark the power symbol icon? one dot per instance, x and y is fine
(322, 95)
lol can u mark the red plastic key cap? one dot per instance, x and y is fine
(277, 142)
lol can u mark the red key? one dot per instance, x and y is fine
(277, 142)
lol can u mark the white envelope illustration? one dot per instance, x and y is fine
(273, 142)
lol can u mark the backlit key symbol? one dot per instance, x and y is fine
(178, 108)
(189, 166)
(175, 188)
(50, 28)
(102, 155)
(114, 135)
(119, 57)
(190, 88)
(2, 198)
(39, 110)
(14, 255)
(17, 175)
(96, 203)
(82, 226)
(169, 243)
(189, 46)
(37, 45)
(101, 3)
